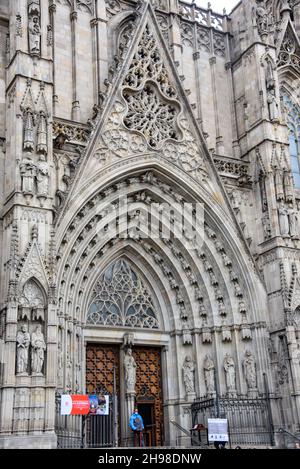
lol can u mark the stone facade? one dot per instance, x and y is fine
(166, 103)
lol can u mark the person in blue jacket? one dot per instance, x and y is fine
(137, 425)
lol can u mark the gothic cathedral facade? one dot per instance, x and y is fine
(161, 103)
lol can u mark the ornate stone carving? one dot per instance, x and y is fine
(186, 333)
(289, 53)
(209, 375)
(38, 348)
(283, 220)
(219, 44)
(187, 33)
(189, 375)
(23, 343)
(203, 39)
(28, 174)
(19, 27)
(263, 16)
(249, 366)
(152, 116)
(233, 169)
(34, 27)
(71, 133)
(42, 137)
(87, 5)
(147, 64)
(229, 367)
(121, 299)
(42, 177)
(130, 371)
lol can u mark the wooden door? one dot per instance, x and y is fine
(149, 388)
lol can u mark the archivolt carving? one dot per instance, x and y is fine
(121, 299)
(83, 258)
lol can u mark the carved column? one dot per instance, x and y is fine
(197, 62)
(236, 146)
(52, 12)
(75, 103)
(219, 138)
(101, 45)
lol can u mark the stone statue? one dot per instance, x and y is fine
(34, 30)
(42, 177)
(229, 368)
(261, 17)
(42, 144)
(28, 144)
(273, 104)
(288, 186)
(209, 374)
(28, 173)
(188, 375)
(130, 371)
(186, 334)
(249, 366)
(293, 222)
(23, 342)
(283, 220)
(38, 347)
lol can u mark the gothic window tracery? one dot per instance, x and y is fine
(120, 298)
(293, 122)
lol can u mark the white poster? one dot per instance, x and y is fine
(218, 430)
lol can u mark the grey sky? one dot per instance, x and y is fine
(218, 5)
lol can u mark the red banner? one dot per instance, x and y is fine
(75, 405)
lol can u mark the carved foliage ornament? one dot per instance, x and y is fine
(121, 299)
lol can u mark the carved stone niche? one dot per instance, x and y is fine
(32, 302)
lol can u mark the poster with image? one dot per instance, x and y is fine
(99, 404)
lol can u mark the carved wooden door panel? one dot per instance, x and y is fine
(149, 386)
(100, 363)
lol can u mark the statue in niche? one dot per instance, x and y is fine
(23, 342)
(42, 177)
(249, 366)
(209, 374)
(38, 348)
(229, 367)
(293, 222)
(288, 186)
(186, 333)
(273, 104)
(28, 144)
(130, 371)
(28, 173)
(34, 29)
(42, 144)
(188, 375)
(283, 220)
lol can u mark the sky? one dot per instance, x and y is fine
(218, 5)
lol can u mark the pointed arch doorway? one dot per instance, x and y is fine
(123, 313)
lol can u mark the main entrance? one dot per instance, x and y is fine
(104, 373)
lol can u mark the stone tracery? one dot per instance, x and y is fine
(149, 114)
(120, 298)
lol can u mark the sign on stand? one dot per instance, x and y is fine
(218, 430)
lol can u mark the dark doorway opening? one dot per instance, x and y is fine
(146, 410)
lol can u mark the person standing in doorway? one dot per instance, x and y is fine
(137, 425)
